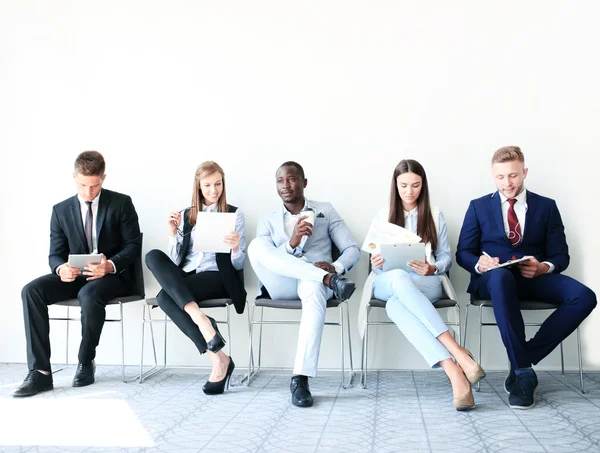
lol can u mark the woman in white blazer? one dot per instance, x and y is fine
(410, 294)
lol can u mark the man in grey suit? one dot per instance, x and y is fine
(291, 256)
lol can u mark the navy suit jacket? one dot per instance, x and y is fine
(483, 229)
(117, 232)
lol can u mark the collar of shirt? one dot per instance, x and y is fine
(95, 201)
(209, 208)
(412, 212)
(521, 198)
(308, 206)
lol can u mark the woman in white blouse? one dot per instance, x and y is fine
(410, 294)
(188, 277)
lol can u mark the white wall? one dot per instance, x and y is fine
(346, 88)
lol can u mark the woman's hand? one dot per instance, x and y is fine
(377, 261)
(173, 222)
(233, 241)
(422, 267)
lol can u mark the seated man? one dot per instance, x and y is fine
(292, 259)
(95, 220)
(512, 223)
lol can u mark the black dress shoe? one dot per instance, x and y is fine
(342, 287)
(216, 343)
(84, 374)
(301, 396)
(216, 388)
(34, 383)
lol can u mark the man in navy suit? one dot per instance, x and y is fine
(98, 221)
(512, 223)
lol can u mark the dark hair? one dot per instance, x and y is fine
(204, 170)
(90, 163)
(291, 163)
(425, 224)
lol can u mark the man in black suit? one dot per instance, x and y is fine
(96, 220)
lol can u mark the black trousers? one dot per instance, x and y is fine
(92, 297)
(179, 288)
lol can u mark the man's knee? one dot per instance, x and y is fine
(587, 299)
(312, 292)
(500, 278)
(90, 299)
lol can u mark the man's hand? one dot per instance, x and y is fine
(301, 229)
(96, 271)
(233, 241)
(532, 268)
(377, 261)
(485, 263)
(328, 267)
(68, 273)
(422, 267)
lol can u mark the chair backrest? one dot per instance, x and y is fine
(138, 273)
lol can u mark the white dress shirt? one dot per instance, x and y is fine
(207, 261)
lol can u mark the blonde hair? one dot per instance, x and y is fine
(206, 169)
(508, 154)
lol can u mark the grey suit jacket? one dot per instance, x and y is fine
(328, 227)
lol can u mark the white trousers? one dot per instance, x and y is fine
(288, 277)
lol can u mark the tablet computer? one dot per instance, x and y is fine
(80, 261)
(397, 256)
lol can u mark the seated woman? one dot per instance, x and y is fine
(410, 295)
(188, 277)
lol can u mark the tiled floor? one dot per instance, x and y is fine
(400, 411)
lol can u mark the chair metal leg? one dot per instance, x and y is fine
(67, 348)
(480, 328)
(562, 360)
(349, 343)
(249, 376)
(228, 322)
(464, 333)
(343, 350)
(580, 360)
(122, 343)
(366, 351)
(260, 332)
(156, 368)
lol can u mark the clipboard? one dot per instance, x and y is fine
(509, 263)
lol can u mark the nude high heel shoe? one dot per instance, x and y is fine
(464, 402)
(474, 373)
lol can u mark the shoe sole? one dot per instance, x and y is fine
(84, 385)
(45, 389)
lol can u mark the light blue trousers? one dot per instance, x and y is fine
(409, 299)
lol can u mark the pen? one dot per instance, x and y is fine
(483, 251)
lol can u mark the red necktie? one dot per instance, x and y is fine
(514, 228)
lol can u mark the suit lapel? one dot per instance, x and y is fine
(102, 208)
(280, 223)
(496, 206)
(78, 222)
(531, 201)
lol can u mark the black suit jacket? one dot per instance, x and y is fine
(117, 232)
(233, 280)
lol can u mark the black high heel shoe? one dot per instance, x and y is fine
(216, 343)
(216, 388)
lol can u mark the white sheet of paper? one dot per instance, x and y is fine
(382, 232)
(210, 229)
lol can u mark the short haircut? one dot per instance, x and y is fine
(90, 163)
(291, 163)
(508, 154)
